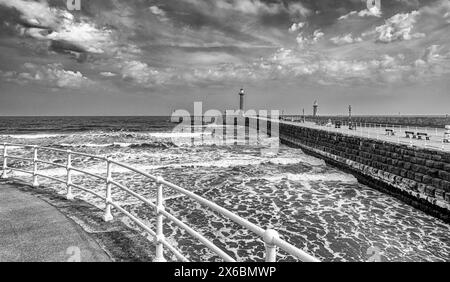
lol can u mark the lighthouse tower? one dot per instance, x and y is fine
(315, 108)
(241, 100)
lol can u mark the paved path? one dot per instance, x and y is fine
(33, 230)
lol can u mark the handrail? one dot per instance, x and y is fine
(270, 237)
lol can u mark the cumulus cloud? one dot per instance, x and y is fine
(83, 34)
(143, 74)
(157, 11)
(53, 75)
(58, 25)
(296, 26)
(108, 74)
(345, 39)
(160, 13)
(304, 41)
(317, 35)
(399, 27)
(33, 13)
(254, 7)
(374, 12)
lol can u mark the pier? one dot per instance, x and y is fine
(417, 171)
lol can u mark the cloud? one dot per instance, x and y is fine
(253, 7)
(157, 11)
(399, 27)
(195, 42)
(345, 39)
(65, 78)
(59, 27)
(144, 75)
(372, 12)
(304, 41)
(296, 26)
(37, 14)
(83, 34)
(108, 74)
(317, 35)
(53, 75)
(160, 13)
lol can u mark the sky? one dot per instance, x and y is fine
(150, 57)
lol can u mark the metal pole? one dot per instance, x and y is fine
(159, 257)
(271, 248)
(108, 216)
(5, 161)
(69, 195)
(35, 167)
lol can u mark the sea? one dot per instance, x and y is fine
(314, 206)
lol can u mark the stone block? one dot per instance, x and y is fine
(429, 190)
(439, 194)
(427, 179)
(445, 185)
(444, 175)
(436, 182)
(421, 187)
(418, 177)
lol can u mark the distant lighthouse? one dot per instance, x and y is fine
(315, 107)
(241, 99)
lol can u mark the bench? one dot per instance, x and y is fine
(408, 133)
(420, 135)
(390, 132)
(337, 124)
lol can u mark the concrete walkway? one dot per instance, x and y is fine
(33, 230)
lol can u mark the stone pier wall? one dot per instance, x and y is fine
(419, 177)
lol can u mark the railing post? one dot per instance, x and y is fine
(35, 166)
(159, 257)
(108, 216)
(5, 161)
(69, 194)
(271, 249)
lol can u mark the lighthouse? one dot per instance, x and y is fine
(241, 100)
(315, 107)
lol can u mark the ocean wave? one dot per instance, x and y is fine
(32, 136)
(156, 144)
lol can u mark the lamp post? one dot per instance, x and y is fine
(350, 125)
(241, 100)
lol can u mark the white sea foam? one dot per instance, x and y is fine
(310, 177)
(176, 134)
(223, 163)
(32, 136)
(86, 145)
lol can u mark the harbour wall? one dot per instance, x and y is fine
(419, 121)
(417, 176)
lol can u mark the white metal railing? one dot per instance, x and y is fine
(270, 237)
